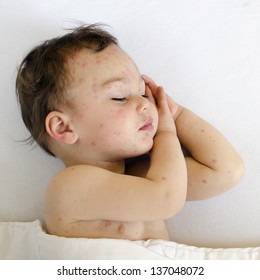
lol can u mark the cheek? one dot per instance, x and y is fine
(113, 128)
(117, 114)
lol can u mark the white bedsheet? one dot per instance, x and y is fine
(29, 241)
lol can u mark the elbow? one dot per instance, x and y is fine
(175, 202)
(219, 181)
(231, 176)
(236, 172)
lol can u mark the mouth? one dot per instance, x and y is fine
(147, 126)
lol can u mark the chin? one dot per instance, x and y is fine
(142, 151)
(134, 152)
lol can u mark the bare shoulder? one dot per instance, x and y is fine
(63, 183)
(73, 175)
(66, 190)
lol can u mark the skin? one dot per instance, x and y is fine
(114, 113)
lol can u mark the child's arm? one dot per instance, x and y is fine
(86, 192)
(213, 165)
(166, 148)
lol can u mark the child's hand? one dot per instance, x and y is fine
(166, 122)
(174, 107)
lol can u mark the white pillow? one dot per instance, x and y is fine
(20, 240)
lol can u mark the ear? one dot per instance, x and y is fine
(59, 127)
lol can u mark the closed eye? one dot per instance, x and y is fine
(119, 99)
(123, 99)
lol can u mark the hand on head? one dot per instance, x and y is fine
(165, 106)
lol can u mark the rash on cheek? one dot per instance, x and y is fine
(117, 114)
(117, 133)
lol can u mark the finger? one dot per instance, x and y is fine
(149, 94)
(149, 81)
(161, 98)
(147, 78)
(151, 84)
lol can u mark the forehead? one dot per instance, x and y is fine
(112, 62)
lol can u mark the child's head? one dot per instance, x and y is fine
(76, 89)
(44, 75)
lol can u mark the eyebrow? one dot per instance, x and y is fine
(112, 80)
(119, 79)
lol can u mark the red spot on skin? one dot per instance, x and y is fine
(98, 60)
(83, 64)
(94, 87)
(81, 80)
(163, 178)
(101, 125)
(214, 161)
(202, 130)
(117, 133)
(93, 143)
(204, 181)
(108, 223)
(121, 229)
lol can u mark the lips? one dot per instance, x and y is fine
(147, 126)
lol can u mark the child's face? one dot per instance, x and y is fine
(112, 115)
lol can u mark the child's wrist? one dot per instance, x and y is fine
(165, 133)
(178, 112)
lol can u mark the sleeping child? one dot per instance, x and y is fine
(121, 139)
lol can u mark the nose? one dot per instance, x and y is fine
(143, 104)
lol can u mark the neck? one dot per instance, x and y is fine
(113, 166)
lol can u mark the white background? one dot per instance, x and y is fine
(207, 56)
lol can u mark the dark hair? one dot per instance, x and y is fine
(43, 76)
